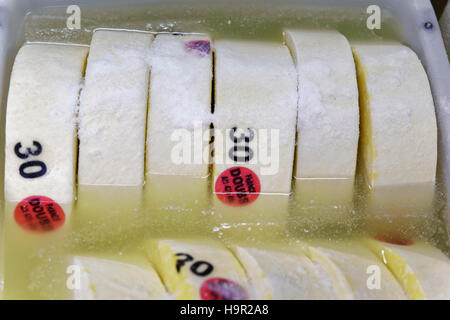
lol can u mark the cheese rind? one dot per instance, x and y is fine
(102, 279)
(41, 111)
(399, 133)
(113, 109)
(420, 268)
(185, 267)
(178, 123)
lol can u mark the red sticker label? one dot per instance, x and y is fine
(400, 242)
(200, 47)
(39, 214)
(222, 289)
(237, 186)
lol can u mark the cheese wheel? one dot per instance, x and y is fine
(254, 126)
(178, 122)
(328, 117)
(104, 279)
(366, 276)
(280, 274)
(113, 109)
(40, 147)
(398, 143)
(421, 269)
(256, 88)
(198, 270)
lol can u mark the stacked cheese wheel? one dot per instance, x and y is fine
(145, 110)
(207, 270)
(258, 95)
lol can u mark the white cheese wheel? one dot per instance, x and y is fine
(421, 269)
(104, 279)
(398, 145)
(179, 117)
(113, 109)
(40, 147)
(256, 88)
(254, 126)
(328, 117)
(197, 269)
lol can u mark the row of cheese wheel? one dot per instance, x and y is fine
(144, 97)
(199, 269)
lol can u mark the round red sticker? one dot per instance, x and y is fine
(200, 47)
(222, 289)
(39, 214)
(237, 186)
(400, 242)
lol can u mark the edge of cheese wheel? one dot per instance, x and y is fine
(113, 109)
(421, 269)
(106, 279)
(204, 269)
(399, 131)
(41, 111)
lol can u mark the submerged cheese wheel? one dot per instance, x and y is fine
(179, 117)
(104, 279)
(254, 127)
(113, 109)
(421, 269)
(398, 130)
(281, 274)
(198, 270)
(328, 117)
(180, 100)
(351, 261)
(40, 147)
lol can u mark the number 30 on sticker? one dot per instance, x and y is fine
(30, 169)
